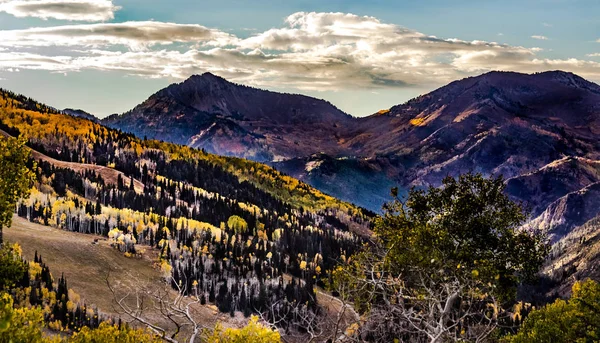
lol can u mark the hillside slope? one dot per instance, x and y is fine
(86, 266)
(227, 228)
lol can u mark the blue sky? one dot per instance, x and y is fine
(107, 56)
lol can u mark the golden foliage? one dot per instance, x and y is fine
(254, 332)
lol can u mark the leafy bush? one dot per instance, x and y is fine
(576, 320)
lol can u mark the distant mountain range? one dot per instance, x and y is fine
(497, 123)
(540, 131)
(81, 114)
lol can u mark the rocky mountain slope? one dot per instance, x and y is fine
(208, 112)
(537, 130)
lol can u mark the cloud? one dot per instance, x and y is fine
(539, 37)
(596, 54)
(547, 25)
(311, 51)
(135, 34)
(13, 62)
(73, 10)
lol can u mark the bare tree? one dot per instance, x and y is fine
(290, 317)
(299, 324)
(170, 312)
(336, 328)
(173, 305)
(433, 308)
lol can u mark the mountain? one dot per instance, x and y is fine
(575, 257)
(539, 131)
(208, 112)
(497, 123)
(81, 114)
(365, 182)
(440, 121)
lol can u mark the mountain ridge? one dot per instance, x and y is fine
(264, 122)
(81, 113)
(484, 123)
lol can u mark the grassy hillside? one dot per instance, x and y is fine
(86, 267)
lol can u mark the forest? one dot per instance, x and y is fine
(442, 265)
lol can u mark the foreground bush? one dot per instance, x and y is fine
(576, 320)
(252, 333)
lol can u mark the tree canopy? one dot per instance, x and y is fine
(111, 333)
(254, 332)
(466, 226)
(12, 266)
(27, 325)
(237, 224)
(19, 325)
(444, 262)
(15, 178)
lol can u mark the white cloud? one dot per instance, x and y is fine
(596, 54)
(13, 62)
(135, 34)
(539, 37)
(312, 51)
(547, 25)
(73, 10)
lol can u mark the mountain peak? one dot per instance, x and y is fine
(211, 93)
(224, 117)
(205, 78)
(208, 76)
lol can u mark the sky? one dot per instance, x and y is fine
(107, 56)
